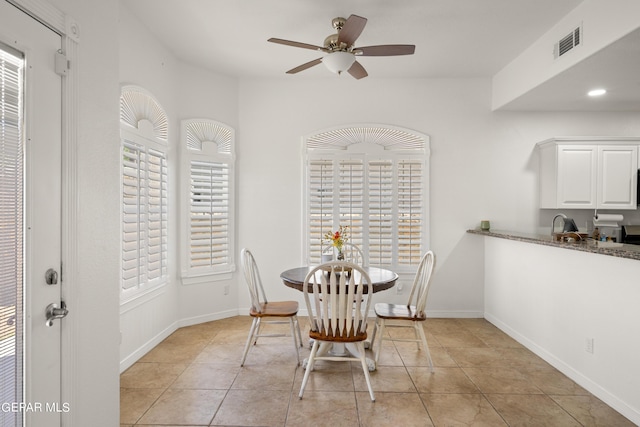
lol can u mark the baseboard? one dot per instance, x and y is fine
(196, 320)
(147, 347)
(594, 388)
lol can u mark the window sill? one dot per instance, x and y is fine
(135, 298)
(196, 279)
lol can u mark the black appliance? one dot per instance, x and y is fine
(630, 234)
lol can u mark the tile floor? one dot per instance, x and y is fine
(482, 378)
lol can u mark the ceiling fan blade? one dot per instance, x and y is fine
(357, 71)
(304, 66)
(351, 30)
(385, 50)
(296, 44)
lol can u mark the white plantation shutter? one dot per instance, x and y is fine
(320, 205)
(381, 213)
(144, 191)
(207, 186)
(144, 216)
(379, 190)
(209, 214)
(351, 184)
(11, 231)
(410, 211)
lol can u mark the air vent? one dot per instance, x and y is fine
(568, 42)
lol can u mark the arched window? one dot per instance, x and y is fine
(143, 135)
(207, 199)
(373, 179)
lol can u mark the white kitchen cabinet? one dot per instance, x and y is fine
(588, 173)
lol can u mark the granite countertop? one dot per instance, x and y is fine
(619, 250)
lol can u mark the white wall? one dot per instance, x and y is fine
(552, 300)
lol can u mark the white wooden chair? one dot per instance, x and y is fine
(352, 253)
(410, 315)
(338, 307)
(261, 308)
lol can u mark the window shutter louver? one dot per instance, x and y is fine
(144, 216)
(381, 213)
(410, 211)
(209, 214)
(320, 204)
(351, 198)
(11, 229)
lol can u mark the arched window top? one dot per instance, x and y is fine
(387, 137)
(140, 110)
(208, 136)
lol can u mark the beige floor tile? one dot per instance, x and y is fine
(501, 380)
(552, 381)
(170, 351)
(389, 355)
(385, 378)
(178, 406)
(462, 410)
(253, 408)
(151, 375)
(392, 409)
(228, 354)
(326, 376)
(476, 357)
(323, 409)
(443, 380)
(207, 376)
(461, 338)
(591, 411)
(134, 402)
(268, 377)
(534, 410)
(412, 356)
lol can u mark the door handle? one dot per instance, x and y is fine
(54, 312)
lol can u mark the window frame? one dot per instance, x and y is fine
(355, 143)
(210, 142)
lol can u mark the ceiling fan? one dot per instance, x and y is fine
(340, 49)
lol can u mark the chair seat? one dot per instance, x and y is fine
(276, 309)
(346, 336)
(398, 312)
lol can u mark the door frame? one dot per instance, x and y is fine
(61, 23)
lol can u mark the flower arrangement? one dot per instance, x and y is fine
(338, 238)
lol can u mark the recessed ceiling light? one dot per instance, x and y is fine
(597, 92)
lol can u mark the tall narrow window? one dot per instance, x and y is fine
(144, 191)
(373, 179)
(11, 231)
(207, 151)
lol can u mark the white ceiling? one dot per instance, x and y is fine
(453, 38)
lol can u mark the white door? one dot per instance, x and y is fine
(35, 203)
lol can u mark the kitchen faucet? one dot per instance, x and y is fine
(553, 221)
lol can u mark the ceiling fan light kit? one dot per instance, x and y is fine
(340, 49)
(338, 62)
